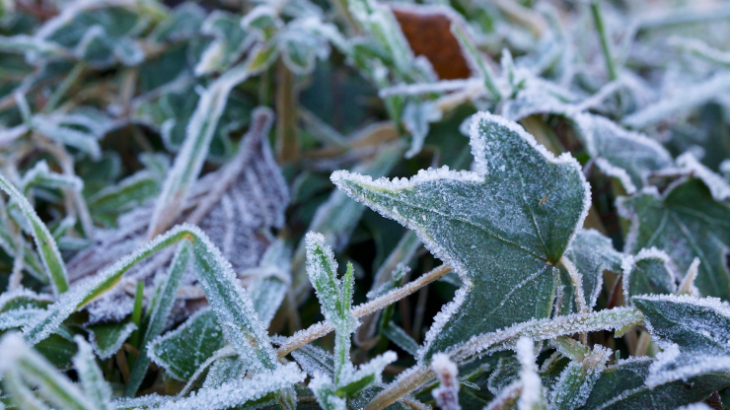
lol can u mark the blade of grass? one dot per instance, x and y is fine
(47, 248)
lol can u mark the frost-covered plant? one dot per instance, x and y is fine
(170, 233)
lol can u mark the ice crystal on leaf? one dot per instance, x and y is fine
(686, 222)
(521, 203)
(692, 332)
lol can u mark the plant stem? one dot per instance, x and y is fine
(65, 85)
(605, 41)
(320, 329)
(287, 146)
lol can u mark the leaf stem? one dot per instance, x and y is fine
(320, 329)
(618, 319)
(605, 42)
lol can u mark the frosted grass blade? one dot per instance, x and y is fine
(47, 248)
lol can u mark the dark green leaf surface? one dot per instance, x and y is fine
(503, 227)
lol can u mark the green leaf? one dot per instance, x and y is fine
(338, 216)
(335, 296)
(159, 309)
(503, 228)
(685, 222)
(189, 161)
(648, 272)
(622, 387)
(92, 379)
(182, 351)
(578, 379)
(108, 338)
(693, 334)
(592, 254)
(47, 248)
(17, 358)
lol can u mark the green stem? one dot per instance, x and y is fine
(605, 42)
(67, 83)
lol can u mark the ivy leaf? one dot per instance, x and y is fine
(182, 351)
(686, 222)
(693, 333)
(622, 387)
(503, 227)
(648, 272)
(592, 254)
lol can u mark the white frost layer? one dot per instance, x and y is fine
(532, 393)
(719, 188)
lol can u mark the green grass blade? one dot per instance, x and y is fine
(47, 248)
(160, 311)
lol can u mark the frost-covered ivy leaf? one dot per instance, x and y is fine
(181, 23)
(230, 41)
(503, 228)
(622, 386)
(417, 115)
(648, 272)
(92, 379)
(628, 156)
(592, 254)
(578, 379)
(182, 351)
(679, 102)
(302, 43)
(693, 333)
(263, 21)
(686, 222)
(107, 339)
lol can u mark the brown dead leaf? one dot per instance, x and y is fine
(428, 31)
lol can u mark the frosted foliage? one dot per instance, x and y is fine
(693, 333)
(240, 392)
(234, 206)
(687, 223)
(695, 406)
(16, 357)
(578, 379)
(649, 272)
(314, 360)
(623, 154)
(719, 188)
(622, 386)
(679, 102)
(333, 295)
(592, 254)
(323, 389)
(626, 155)
(522, 204)
(447, 393)
(532, 397)
(91, 377)
(182, 351)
